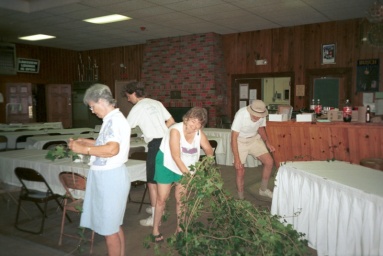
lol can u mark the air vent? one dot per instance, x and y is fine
(8, 65)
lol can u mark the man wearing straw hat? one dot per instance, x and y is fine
(248, 137)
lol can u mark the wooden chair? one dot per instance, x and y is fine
(26, 176)
(53, 144)
(73, 182)
(139, 155)
(214, 145)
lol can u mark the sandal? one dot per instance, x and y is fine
(157, 238)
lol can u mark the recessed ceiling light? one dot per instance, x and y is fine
(36, 37)
(108, 19)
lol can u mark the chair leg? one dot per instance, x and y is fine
(62, 226)
(91, 242)
(14, 200)
(43, 214)
(62, 209)
(43, 218)
(143, 198)
(17, 214)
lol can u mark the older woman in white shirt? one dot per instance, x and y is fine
(108, 182)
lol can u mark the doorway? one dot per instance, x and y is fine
(340, 76)
(272, 88)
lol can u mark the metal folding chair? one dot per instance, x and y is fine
(28, 176)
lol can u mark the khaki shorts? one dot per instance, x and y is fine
(251, 146)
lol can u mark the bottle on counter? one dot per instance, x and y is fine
(368, 114)
(318, 108)
(312, 106)
(347, 111)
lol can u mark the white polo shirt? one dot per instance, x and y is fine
(245, 126)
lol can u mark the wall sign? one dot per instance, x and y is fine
(28, 65)
(367, 75)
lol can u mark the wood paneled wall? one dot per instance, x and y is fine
(119, 63)
(60, 66)
(298, 49)
(292, 49)
(57, 66)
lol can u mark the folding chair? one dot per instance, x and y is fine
(73, 182)
(25, 176)
(139, 155)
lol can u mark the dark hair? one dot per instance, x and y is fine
(134, 87)
(197, 113)
(97, 92)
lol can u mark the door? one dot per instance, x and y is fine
(59, 104)
(19, 107)
(244, 91)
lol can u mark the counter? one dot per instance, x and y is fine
(301, 141)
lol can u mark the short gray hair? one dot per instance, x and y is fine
(97, 92)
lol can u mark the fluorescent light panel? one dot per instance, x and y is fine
(108, 19)
(36, 37)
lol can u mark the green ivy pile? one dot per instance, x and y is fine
(61, 151)
(214, 223)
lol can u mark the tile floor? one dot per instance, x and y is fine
(15, 242)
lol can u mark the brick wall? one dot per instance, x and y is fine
(193, 65)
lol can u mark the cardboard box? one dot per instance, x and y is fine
(362, 114)
(277, 117)
(354, 116)
(335, 115)
(306, 117)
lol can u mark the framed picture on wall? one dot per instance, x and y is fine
(328, 53)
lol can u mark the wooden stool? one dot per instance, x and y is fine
(374, 163)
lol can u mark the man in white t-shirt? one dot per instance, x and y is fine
(154, 120)
(248, 137)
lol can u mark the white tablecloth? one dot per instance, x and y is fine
(38, 141)
(12, 136)
(224, 155)
(339, 206)
(31, 126)
(35, 159)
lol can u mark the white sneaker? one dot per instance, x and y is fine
(147, 222)
(148, 209)
(266, 193)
